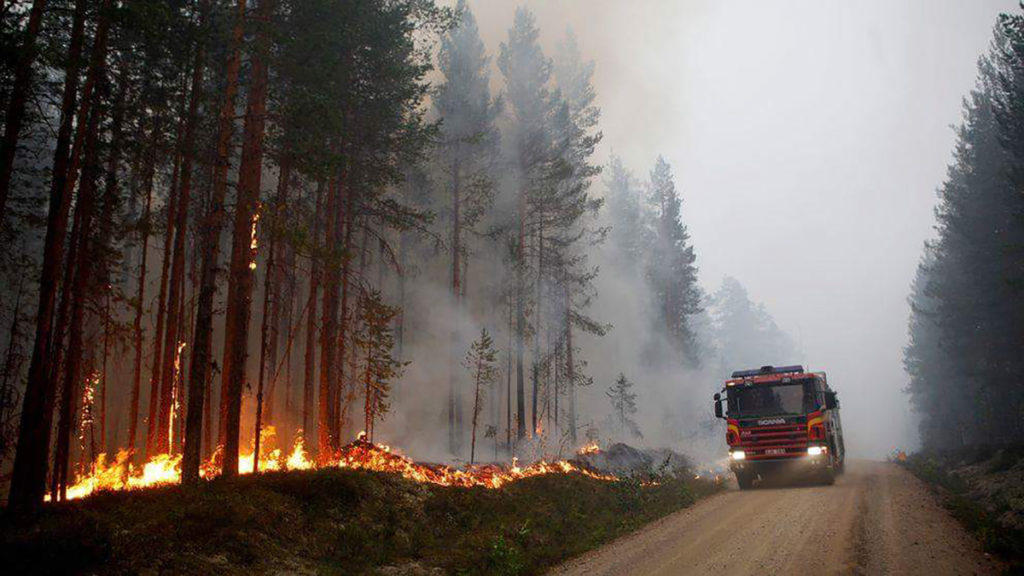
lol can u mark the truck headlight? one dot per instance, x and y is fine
(816, 450)
(738, 455)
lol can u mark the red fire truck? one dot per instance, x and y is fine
(781, 418)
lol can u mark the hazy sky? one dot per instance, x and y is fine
(808, 139)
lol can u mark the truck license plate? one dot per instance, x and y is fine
(774, 451)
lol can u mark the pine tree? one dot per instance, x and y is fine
(378, 367)
(671, 269)
(469, 148)
(623, 401)
(482, 364)
(527, 71)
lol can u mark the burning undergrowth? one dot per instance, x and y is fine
(120, 474)
(355, 518)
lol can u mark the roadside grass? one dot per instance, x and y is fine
(978, 514)
(339, 522)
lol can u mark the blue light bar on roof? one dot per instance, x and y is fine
(763, 370)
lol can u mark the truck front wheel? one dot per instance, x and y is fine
(745, 480)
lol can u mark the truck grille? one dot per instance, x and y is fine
(779, 441)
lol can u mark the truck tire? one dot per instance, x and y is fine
(745, 480)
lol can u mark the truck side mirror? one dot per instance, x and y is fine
(718, 406)
(831, 401)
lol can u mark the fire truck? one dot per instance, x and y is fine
(781, 419)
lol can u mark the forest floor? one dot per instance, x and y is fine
(340, 522)
(984, 490)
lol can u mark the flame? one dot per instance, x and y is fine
(592, 448)
(254, 243)
(299, 459)
(164, 469)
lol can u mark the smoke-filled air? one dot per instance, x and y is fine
(499, 281)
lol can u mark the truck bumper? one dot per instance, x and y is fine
(780, 466)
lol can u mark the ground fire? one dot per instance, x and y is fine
(120, 474)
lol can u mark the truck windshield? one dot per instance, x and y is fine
(762, 400)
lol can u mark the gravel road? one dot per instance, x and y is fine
(876, 519)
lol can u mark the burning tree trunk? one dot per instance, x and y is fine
(162, 301)
(272, 288)
(28, 479)
(82, 271)
(18, 98)
(172, 338)
(243, 251)
(200, 370)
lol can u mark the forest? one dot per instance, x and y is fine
(964, 353)
(239, 236)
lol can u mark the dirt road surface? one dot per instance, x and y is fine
(876, 519)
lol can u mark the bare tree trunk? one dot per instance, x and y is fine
(243, 253)
(454, 425)
(171, 348)
(162, 300)
(538, 306)
(20, 87)
(28, 479)
(520, 295)
(83, 271)
(476, 409)
(133, 415)
(200, 369)
(314, 285)
(272, 288)
(508, 384)
(329, 326)
(570, 367)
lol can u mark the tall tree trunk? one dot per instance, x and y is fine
(140, 299)
(172, 339)
(570, 367)
(329, 326)
(508, 383)
(202, 352)
(538, 305)
(106, 237)
(265, 322)
(454, 424)
(28, 478)
(243, 253)
(520, 295)
(163, 302)
(20, 87)
(476, 409)
(272, 287)
(348, 317)
(314, 286)
(83, 272)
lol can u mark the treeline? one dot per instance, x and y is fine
(225, 217)
(965, 358)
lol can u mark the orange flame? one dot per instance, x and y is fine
(163, 469)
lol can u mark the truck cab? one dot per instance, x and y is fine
(781, 419)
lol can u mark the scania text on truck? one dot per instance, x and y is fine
(781, 419)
